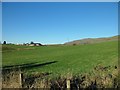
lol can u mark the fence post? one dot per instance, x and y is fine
(21, 79)
(68, 84)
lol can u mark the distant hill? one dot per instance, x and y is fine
(92, 40)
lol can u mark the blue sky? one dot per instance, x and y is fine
(53, 23)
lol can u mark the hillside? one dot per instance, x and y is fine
(53, 65)
(92, 40)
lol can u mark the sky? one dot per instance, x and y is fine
(60, 0)
(58, 22)
(0, 22)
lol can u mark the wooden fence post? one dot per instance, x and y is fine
(21, 79)
(68, 84)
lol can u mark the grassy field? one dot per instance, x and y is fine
(62, 59)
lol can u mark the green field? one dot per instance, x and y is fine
(68, 59)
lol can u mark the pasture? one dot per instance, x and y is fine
(61, 59)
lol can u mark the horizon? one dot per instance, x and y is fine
(57, 43)
(57, 23)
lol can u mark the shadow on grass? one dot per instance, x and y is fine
(28, 66)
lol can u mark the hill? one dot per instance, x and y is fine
(92, 40)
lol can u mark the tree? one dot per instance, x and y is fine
(4, 42)
(31, 42)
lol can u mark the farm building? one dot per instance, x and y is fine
(35, 44)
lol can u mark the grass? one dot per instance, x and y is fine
(69, 59)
